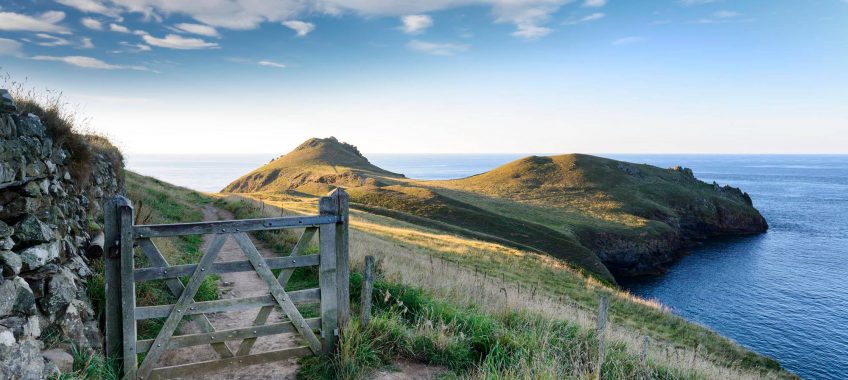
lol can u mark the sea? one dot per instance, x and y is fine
(783, 294)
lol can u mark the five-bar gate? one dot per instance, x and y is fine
(123, 239)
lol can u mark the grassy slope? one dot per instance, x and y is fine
(498, 279)
(596, 214)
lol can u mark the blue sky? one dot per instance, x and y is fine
(246, 76)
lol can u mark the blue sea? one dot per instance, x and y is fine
(783, 294)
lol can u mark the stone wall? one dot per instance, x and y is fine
(48, 219)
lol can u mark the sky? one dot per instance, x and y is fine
(442, 76)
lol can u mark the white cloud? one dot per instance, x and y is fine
(91, 23)
(200, 29)
(175, 41)
(86, 43)
(433, 48)
(88, 62)
(726, 14)
(629, 40)
(10, 47)
(301, 27)
(594, 3)
(51, 41)
(91, 6)
(271, 64)
(531, 32)
(45, 22)
(118, 28)
(528, 16)
(592, 17)
(414, 24)
(136, 48)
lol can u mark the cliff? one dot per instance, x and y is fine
(52, 181)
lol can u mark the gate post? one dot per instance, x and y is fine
(334, 268)
(112, 280)
(125, 219)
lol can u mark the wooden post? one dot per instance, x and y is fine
(603, 310)
(342, 256)
(125, 223)
(643, 356)
(112, 264)
(327, 279)
(367, 289)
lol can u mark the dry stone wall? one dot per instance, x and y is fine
(48, 219)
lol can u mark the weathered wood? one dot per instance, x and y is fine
(170, 325)
(305, 296)
(601, 329)
(231, 226)
(283, 279)
(125, 221)
(176, 286)
(112, 267)
(643, 356)
(235, 362)
(367, 289)
(180, 341)
(327, 279)
(342, 256)
(159, 273)
(277, 291)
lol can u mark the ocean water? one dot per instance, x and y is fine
(783, 293)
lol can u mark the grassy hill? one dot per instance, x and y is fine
(600, 215)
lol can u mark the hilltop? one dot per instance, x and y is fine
(312, 167)
(600, 215)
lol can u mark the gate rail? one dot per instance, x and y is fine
(122, 313)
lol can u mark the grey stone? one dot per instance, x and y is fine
(16, 297)
(73, 327)
(61, 290)
(30, 230)
(28, 364)
(7, 104)
(5, 230)
(11, 263)
(7, 244)
(31, 126)
(63, 360)
(39, 255)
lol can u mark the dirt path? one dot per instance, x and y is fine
(248, 284)
(237, 285)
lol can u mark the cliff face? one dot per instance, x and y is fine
(50, 196)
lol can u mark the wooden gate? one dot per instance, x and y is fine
(123, 239)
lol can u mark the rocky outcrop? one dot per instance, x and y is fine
(48, 215)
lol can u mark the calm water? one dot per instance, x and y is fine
(783, 293)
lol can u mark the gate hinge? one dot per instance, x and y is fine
(115, 249)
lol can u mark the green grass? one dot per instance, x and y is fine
(409, 323)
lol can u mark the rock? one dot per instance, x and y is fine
(7, 104)
(74, 328)
(63, 360)
(7, 337)
(7, 244)
(30, 230)
(31, 126)
(35, 257)
(5, 230)
(16, 297)
(61, 290)
(28, 364)
(10, 263)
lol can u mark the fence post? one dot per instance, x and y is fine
(112, 265)
(342, 256)
(327, 278)
(367, 289)
(125, 223)
(603, 309)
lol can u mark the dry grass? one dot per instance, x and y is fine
(500, 279)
